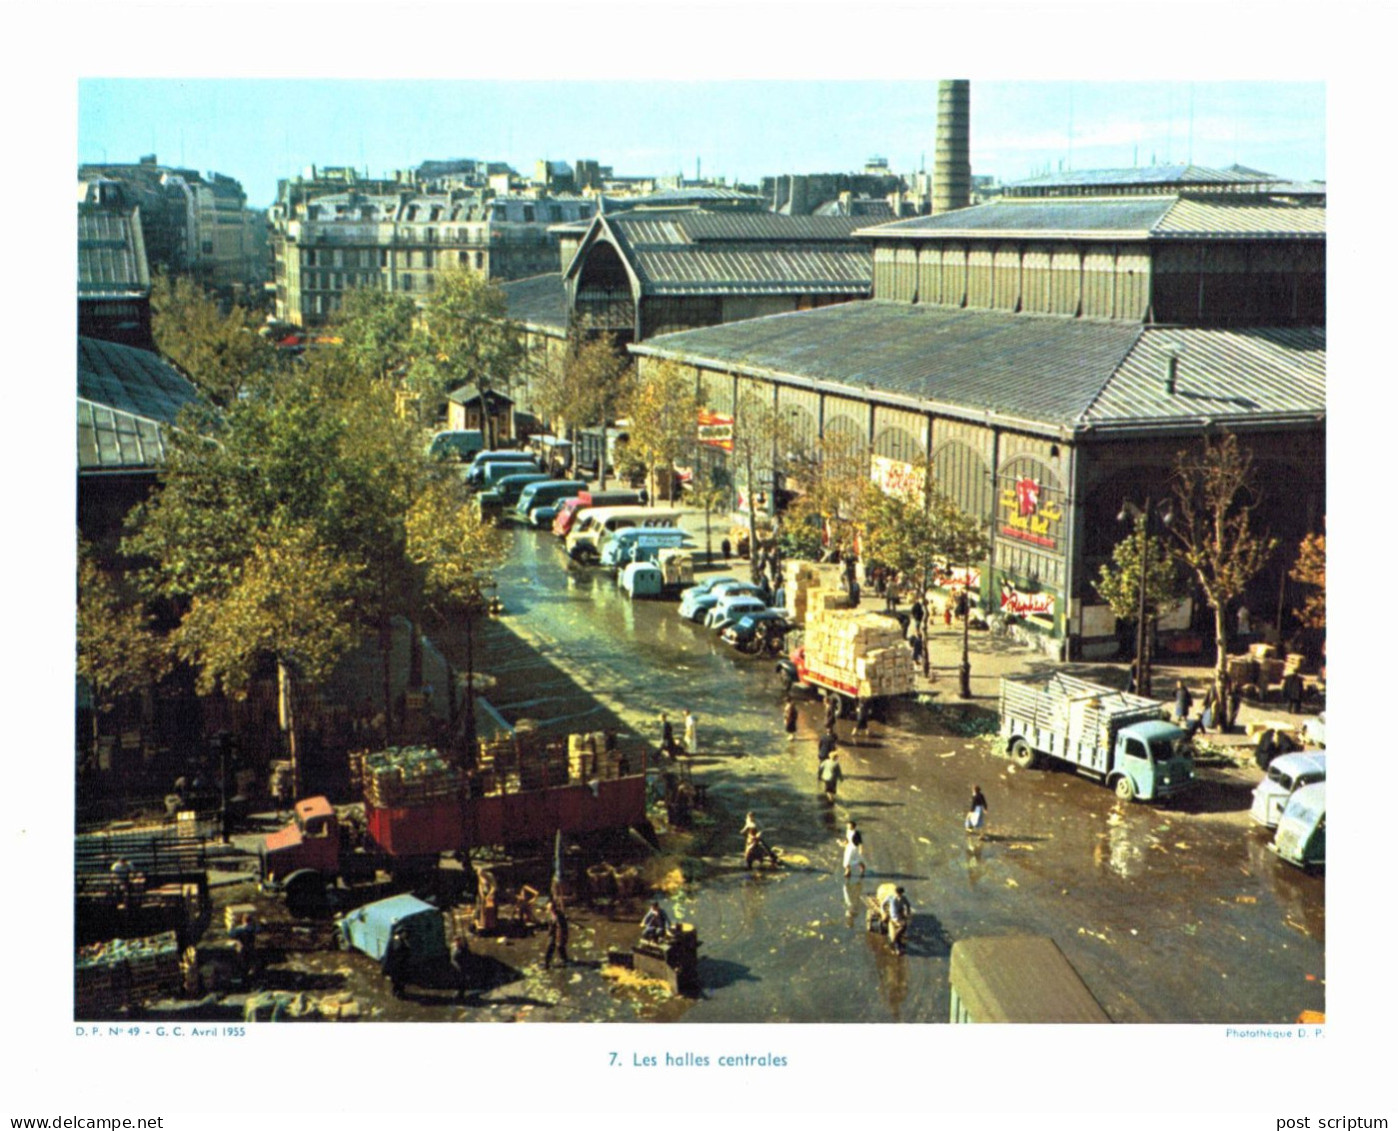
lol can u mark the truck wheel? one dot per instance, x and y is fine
(305, 895)
(1125, 788)
(1023, 755)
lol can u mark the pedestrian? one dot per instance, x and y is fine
(461, 964)
(691, 739)
(861, 718)
(1244, 621)
(1229, 701)
(558, 933)
(828, 742)
(655, 923)
(667, 736)
(789, 719)
(122, 873)
(963, 605)
(898, 912)
(1133, 677)
(244, 936)
(831, 775)
(976, 811)
(832, 709)
(854, 592)
(915, 643)
(1184, 701)
(726, 549)
(918, 612)
(1208, 709)
(854, 848)
(946, 614)
(396, 957)
(1292, 691)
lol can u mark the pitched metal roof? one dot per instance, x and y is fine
(111, 253)
(1121, 217)
(1149, 175)
(1066, 374)
(690, 251)
(1219, 374)
(126, 397)
(538, 301)
(755, 269)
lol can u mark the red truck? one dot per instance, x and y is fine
(307, 856)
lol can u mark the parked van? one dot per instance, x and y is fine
(476, 473)
(370, 928)
(553, 452)
(507, 490)
(642, 579)
(639, 543)
(1286, 774)
(538, 495)
(584, 540)
(1300, 838)
(1018, 979)
(459, 444)
(563, 521)
(492, 471)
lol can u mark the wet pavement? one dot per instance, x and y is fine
(1172, 913)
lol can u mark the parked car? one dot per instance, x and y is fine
(696, 607)
(459, 444)
(707, 586)
(759, 632)
(1300, 838)
(1285, 776)
(728, 613)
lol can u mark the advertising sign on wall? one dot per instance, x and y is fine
(1028, 514)
(715, 430)
(896, 477)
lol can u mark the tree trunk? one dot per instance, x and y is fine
(1221, 661)
(286, 702)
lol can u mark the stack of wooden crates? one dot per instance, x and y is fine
(864, 650)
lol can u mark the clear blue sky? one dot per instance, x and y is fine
(260, 130)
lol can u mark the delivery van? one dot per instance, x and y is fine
(1285, 775)
(584, 540)
(1300, 838)
(544, 493)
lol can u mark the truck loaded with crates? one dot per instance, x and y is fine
(855, 655)
(1121, 739)
(524, 789)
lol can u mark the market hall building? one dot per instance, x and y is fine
(1050, 352)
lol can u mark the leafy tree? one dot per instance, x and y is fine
(1309, 570)
(762, 441)
(377, 331)
(1214, 497)
(664, 413)
(1119, 582)
(219, 353)
(457, 552)
(588, 386)
(466, 339)
(120, 651)
(291, 601)
(835, 471)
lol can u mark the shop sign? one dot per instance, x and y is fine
(1016, 602)
(1026, 515)
(896, 477)
(960, 577)
(715, 430)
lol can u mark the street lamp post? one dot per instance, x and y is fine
(965, 691)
